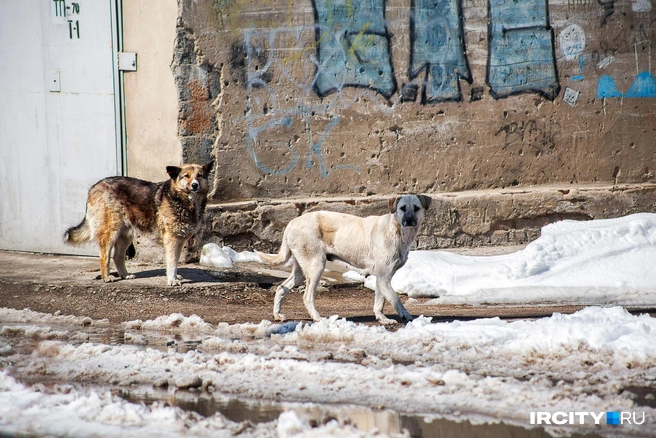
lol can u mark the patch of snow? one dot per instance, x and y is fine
(28, 316)
(175, 321)
(65, 411)
(607, 261)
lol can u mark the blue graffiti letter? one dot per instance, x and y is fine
(353, 46)
(438, 46)
(520, 53)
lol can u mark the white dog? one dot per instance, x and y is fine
(375, 245)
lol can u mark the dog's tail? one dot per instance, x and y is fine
(276, 259)
(79, 234)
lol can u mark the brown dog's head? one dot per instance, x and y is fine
(408, 210)
(191, 178)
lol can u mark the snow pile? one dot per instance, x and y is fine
(175, 321)
(484, 370)
(65, 411)
(613, 330)
(28, 316)
(602, 261)
(214, 256)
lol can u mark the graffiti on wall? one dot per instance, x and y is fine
(521, 49)
(635, 41)
(353, 47)
(540, 137)
(643, 86)
(282, 105)
(572, 41)
(350, 46)
(438, 49)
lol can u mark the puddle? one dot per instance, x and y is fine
(204, 403)
(363, 418)
(23, 338)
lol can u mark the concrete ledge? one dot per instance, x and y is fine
(455, 220)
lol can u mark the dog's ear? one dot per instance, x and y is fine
(392, 204)
(207, 168)
(173, 171)
(425, 201)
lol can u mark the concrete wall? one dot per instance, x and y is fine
(511, 114)
(464, 219)
(151, 102)
(359, 98)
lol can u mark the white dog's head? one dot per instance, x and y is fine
(408, 210)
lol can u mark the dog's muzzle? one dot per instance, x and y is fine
(195, 186)
(409, 221)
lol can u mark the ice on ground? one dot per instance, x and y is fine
(486, 370)
(214, 256)
(609, 261)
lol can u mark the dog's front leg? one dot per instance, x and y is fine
(379, 303)
(384, 291)
(172, 251)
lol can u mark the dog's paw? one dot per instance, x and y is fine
(407, 317)
(110, 278)
(130, 277)
(175, 282)
(279, 317)
(385, 320)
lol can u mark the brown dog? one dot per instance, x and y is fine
(375, 245)
(169, 211)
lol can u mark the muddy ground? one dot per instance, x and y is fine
(69, 285)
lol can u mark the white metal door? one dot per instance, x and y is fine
(58, 121)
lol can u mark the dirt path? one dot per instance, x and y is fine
(49, 284)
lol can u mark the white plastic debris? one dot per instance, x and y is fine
(217, 257)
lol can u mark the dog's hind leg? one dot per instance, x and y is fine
(295, 279)
(120, 247)
(312, 269)
(105, 242)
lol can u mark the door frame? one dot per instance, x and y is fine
(119, 98)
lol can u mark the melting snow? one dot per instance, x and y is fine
(485, 370)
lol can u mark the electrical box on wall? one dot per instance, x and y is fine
(127, 61)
